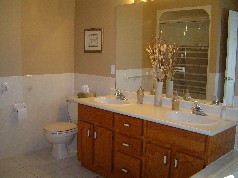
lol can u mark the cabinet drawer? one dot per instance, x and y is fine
(128, 125)
(177, 137)
(128, 145)
(126, 166)
(96, 116)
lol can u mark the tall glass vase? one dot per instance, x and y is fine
(158, 94)
(169, 88)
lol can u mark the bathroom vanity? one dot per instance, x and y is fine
(135, 140)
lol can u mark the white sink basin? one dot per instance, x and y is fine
(111, 100)
(188, 118)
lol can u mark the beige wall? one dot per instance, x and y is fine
(149, 30)
(96, 14)
(37, 37)
(47, 36)
(10, 38)
(129, 23)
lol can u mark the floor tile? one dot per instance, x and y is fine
(7, 165)
(42, 169)
(59, 174)
(16, 173)
(80, 172)
(41, 164)
(64, 163)
(28, 159)
(46, 154)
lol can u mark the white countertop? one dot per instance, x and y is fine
(147, 111)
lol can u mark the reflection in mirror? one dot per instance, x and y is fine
(137, 24)
(189, 30)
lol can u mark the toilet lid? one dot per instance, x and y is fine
(60, 127)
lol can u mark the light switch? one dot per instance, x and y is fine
(113, 69)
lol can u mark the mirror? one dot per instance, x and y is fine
(137, 24)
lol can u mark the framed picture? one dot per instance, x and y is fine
(93, 40)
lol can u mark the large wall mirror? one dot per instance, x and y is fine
(188, 27)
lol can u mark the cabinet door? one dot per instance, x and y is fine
(103, 149)
(86, 143)
(186, 166)
(157, 161)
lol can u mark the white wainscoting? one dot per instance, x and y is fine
(45, 97)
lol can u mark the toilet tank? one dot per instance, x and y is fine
(73, 111)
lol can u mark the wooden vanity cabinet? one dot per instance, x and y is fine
(177, 153)
(95, 139)
(120, 146)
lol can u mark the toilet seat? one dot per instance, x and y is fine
(61, 128)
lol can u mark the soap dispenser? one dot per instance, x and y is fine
(175, 101)
(140, 95)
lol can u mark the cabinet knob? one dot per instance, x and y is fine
(126, 125)
(165, 160)
(176, 163)
(124, 170)
(95, 135)
(126, 144)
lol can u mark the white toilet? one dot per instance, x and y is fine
(60, 134)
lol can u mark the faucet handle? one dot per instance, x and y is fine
(196, 104)
(118, 92)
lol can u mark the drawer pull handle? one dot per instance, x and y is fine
(126, 144)
(88, 132)
(95, 135)
(176, 163)
(126, 125)
(124, 170)
(165, 160)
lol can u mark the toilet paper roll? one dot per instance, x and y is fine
(21, 113)
(21, 110)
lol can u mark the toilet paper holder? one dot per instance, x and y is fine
(19, 106)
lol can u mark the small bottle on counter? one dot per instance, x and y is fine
(175, 101)
(140, 95)
(223, 111)
(187, 96)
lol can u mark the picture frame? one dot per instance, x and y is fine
(93, 40)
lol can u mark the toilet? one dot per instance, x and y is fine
(61, 134)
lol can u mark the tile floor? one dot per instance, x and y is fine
(42, 164)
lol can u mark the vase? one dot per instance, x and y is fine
(169, 88)
(158, 94)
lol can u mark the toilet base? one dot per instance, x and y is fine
(60, 151)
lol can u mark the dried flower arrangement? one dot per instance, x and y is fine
(163, 59)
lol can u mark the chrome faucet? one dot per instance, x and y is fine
(196, 109)
(119, 95)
